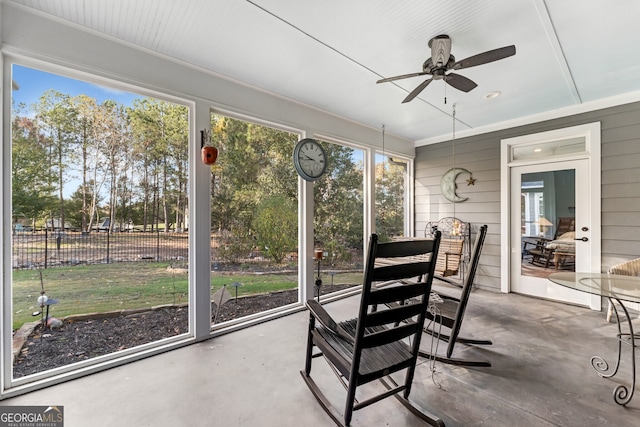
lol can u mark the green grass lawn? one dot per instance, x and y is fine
(108, 287)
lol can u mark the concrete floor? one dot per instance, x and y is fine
(541, 376)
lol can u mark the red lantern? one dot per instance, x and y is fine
(209, 155)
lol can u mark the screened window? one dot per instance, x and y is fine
(99, 245)
(339, 217)
(254, 219)
(391, 185)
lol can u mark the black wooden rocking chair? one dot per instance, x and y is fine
(450, 313)
(385, 338)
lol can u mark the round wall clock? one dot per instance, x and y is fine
(309, 159)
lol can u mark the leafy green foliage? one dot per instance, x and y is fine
(275, 225)
(132, 163)
(390, 198)
(235, 244)
(254, 165)
(338, 203)
(32, 191)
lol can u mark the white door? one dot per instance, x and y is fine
(545, 197)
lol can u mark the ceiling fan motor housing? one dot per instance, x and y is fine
(440, 50)
(428, 67)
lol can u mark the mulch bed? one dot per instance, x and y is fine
(79, 340)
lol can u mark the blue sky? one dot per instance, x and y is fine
(33, 83)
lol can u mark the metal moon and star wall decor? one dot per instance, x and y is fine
(449, 186)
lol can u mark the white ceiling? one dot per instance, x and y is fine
(571, 54)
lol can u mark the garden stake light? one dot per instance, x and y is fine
(318, 257)
(236, 285)
(44, 301)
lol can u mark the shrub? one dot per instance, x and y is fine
(275, 224)
(235, 246)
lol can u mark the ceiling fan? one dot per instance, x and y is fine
(442, 61)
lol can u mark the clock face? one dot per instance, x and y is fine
(309, 159)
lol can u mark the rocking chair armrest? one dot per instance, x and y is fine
(321, 315)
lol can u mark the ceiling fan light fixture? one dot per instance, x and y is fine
(494, 94)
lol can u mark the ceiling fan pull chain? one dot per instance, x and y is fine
(445, 92)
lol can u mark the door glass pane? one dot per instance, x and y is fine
(99, 230)
(547, 204)
(551, 149)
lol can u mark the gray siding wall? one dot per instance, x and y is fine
(480, 155)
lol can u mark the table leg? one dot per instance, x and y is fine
(621, 394)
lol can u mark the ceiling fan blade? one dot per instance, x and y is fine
(417, 90)
(403, 76)
(460, 82)
(485, 57)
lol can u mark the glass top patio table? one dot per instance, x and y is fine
(614, 287)
(624, 288)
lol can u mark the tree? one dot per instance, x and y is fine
(143, 135)
(339, 206)
(55, 116)
(76, 202)
(243, 174)
(160, 135)
(32, 180)
(390, 177)
(176, 133)
(87, 129)
(275, 225)
(118, 151)
(253, 166)
(232, 198)
(114, 150)
(275, 147)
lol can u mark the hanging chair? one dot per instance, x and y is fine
(454, 245)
